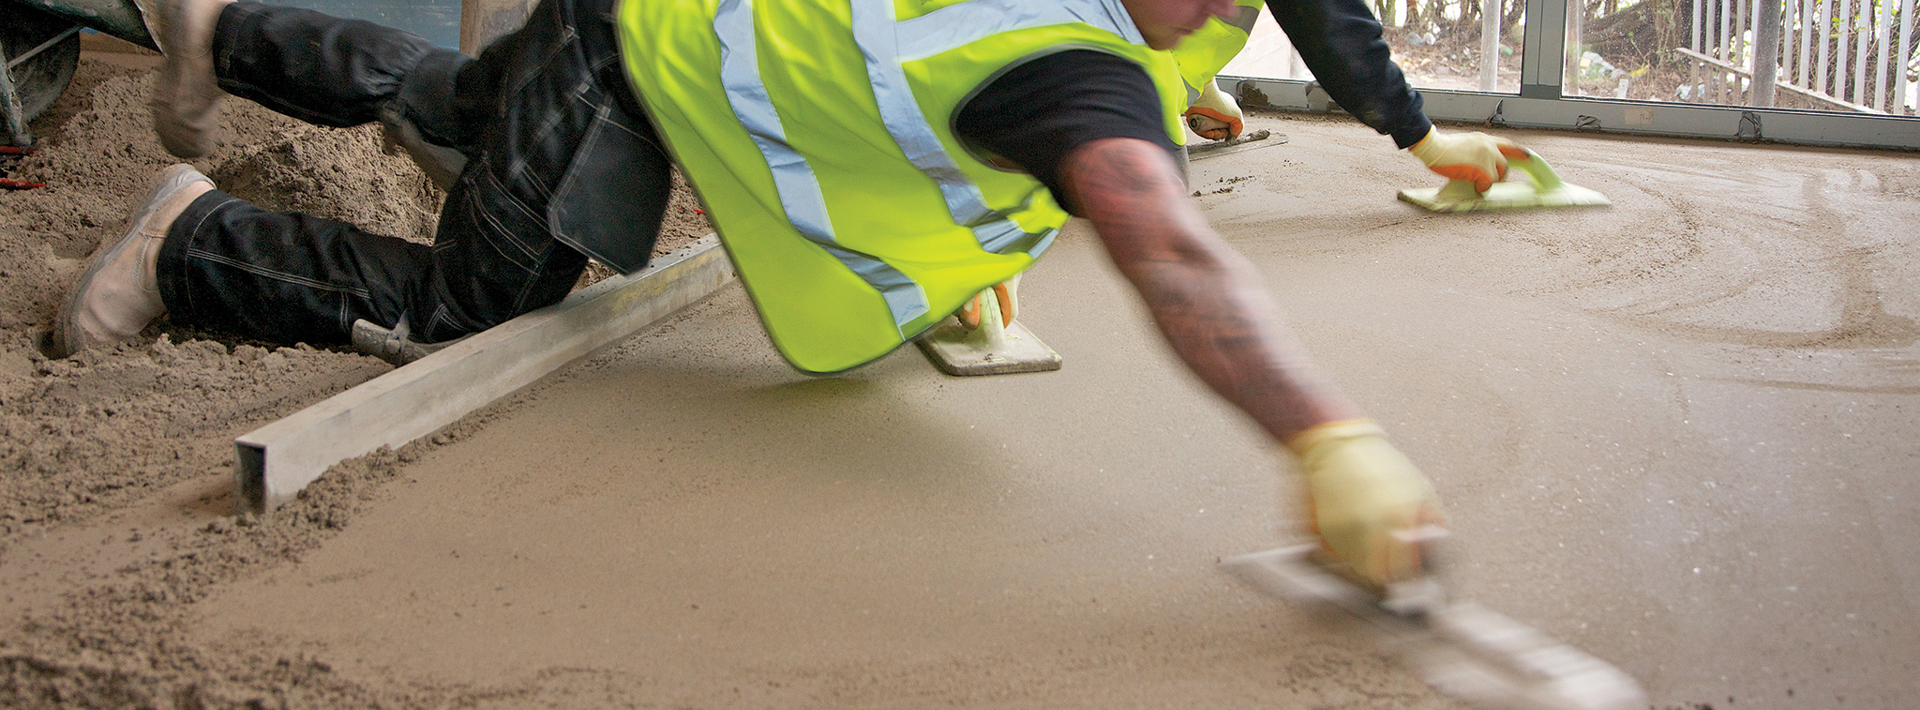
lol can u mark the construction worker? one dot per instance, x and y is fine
(871, 164)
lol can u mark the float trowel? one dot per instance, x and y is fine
(999, 346)
(1462, 649)
(1544, 189)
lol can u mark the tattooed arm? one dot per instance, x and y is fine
(1211, 306)
(1208, 300)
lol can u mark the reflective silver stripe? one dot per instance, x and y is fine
(793, 178)
(962, 24)
(1006, 237)
(886, 44)
(1046, 240)
(904, 297)
(873, 31)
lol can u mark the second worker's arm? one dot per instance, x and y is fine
(1340, 41)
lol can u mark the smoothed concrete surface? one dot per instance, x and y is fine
(1679, 433)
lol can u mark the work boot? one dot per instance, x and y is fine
(186, 94)
(119, 293)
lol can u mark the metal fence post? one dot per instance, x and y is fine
(1766, 51)
(1490, 44)
(1543, 67)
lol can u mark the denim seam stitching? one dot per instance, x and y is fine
(567, 38)
(485, 216)
(519, 205)
(518, 168)
(276, 275)
(582, 155)
(194, 235)
(527, 288)
(433, 322)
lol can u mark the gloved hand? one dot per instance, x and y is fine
(1005, 294)
(1215, 115)
(1361, 491)
(1475, 157)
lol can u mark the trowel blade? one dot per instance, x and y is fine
(1503, 196)
(1464, 650)
(1542, 187)
(957, 351)
(1264, 138)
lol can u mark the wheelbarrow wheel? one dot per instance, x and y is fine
(39, 80)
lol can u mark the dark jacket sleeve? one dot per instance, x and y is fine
(1340, 41)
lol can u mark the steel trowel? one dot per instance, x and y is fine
(1462, 649)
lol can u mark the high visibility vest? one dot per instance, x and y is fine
(819, 133)
(1204, 53)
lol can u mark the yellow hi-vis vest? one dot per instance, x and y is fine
(1204, 53)
(819, 133)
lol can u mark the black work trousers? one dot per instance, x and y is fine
(549, 127)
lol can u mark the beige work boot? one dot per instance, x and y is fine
(119, 293)
(186, 94)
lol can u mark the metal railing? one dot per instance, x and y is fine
(1848, 55)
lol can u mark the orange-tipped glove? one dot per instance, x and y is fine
(1005, 294)
(1215, 115)
(1475, 157)
(1362, 491)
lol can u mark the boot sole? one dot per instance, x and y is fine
(68, 338)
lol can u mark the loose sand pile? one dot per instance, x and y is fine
(105, 435)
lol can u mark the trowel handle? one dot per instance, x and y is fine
(1429, 591)
(1544, 180)
(1537, 168)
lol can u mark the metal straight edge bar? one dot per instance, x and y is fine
(1254, 140)
(1618, 116)
(276, 461)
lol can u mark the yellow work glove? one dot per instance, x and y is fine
(1215, 115)
(1475, 157)
(1361, 491)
